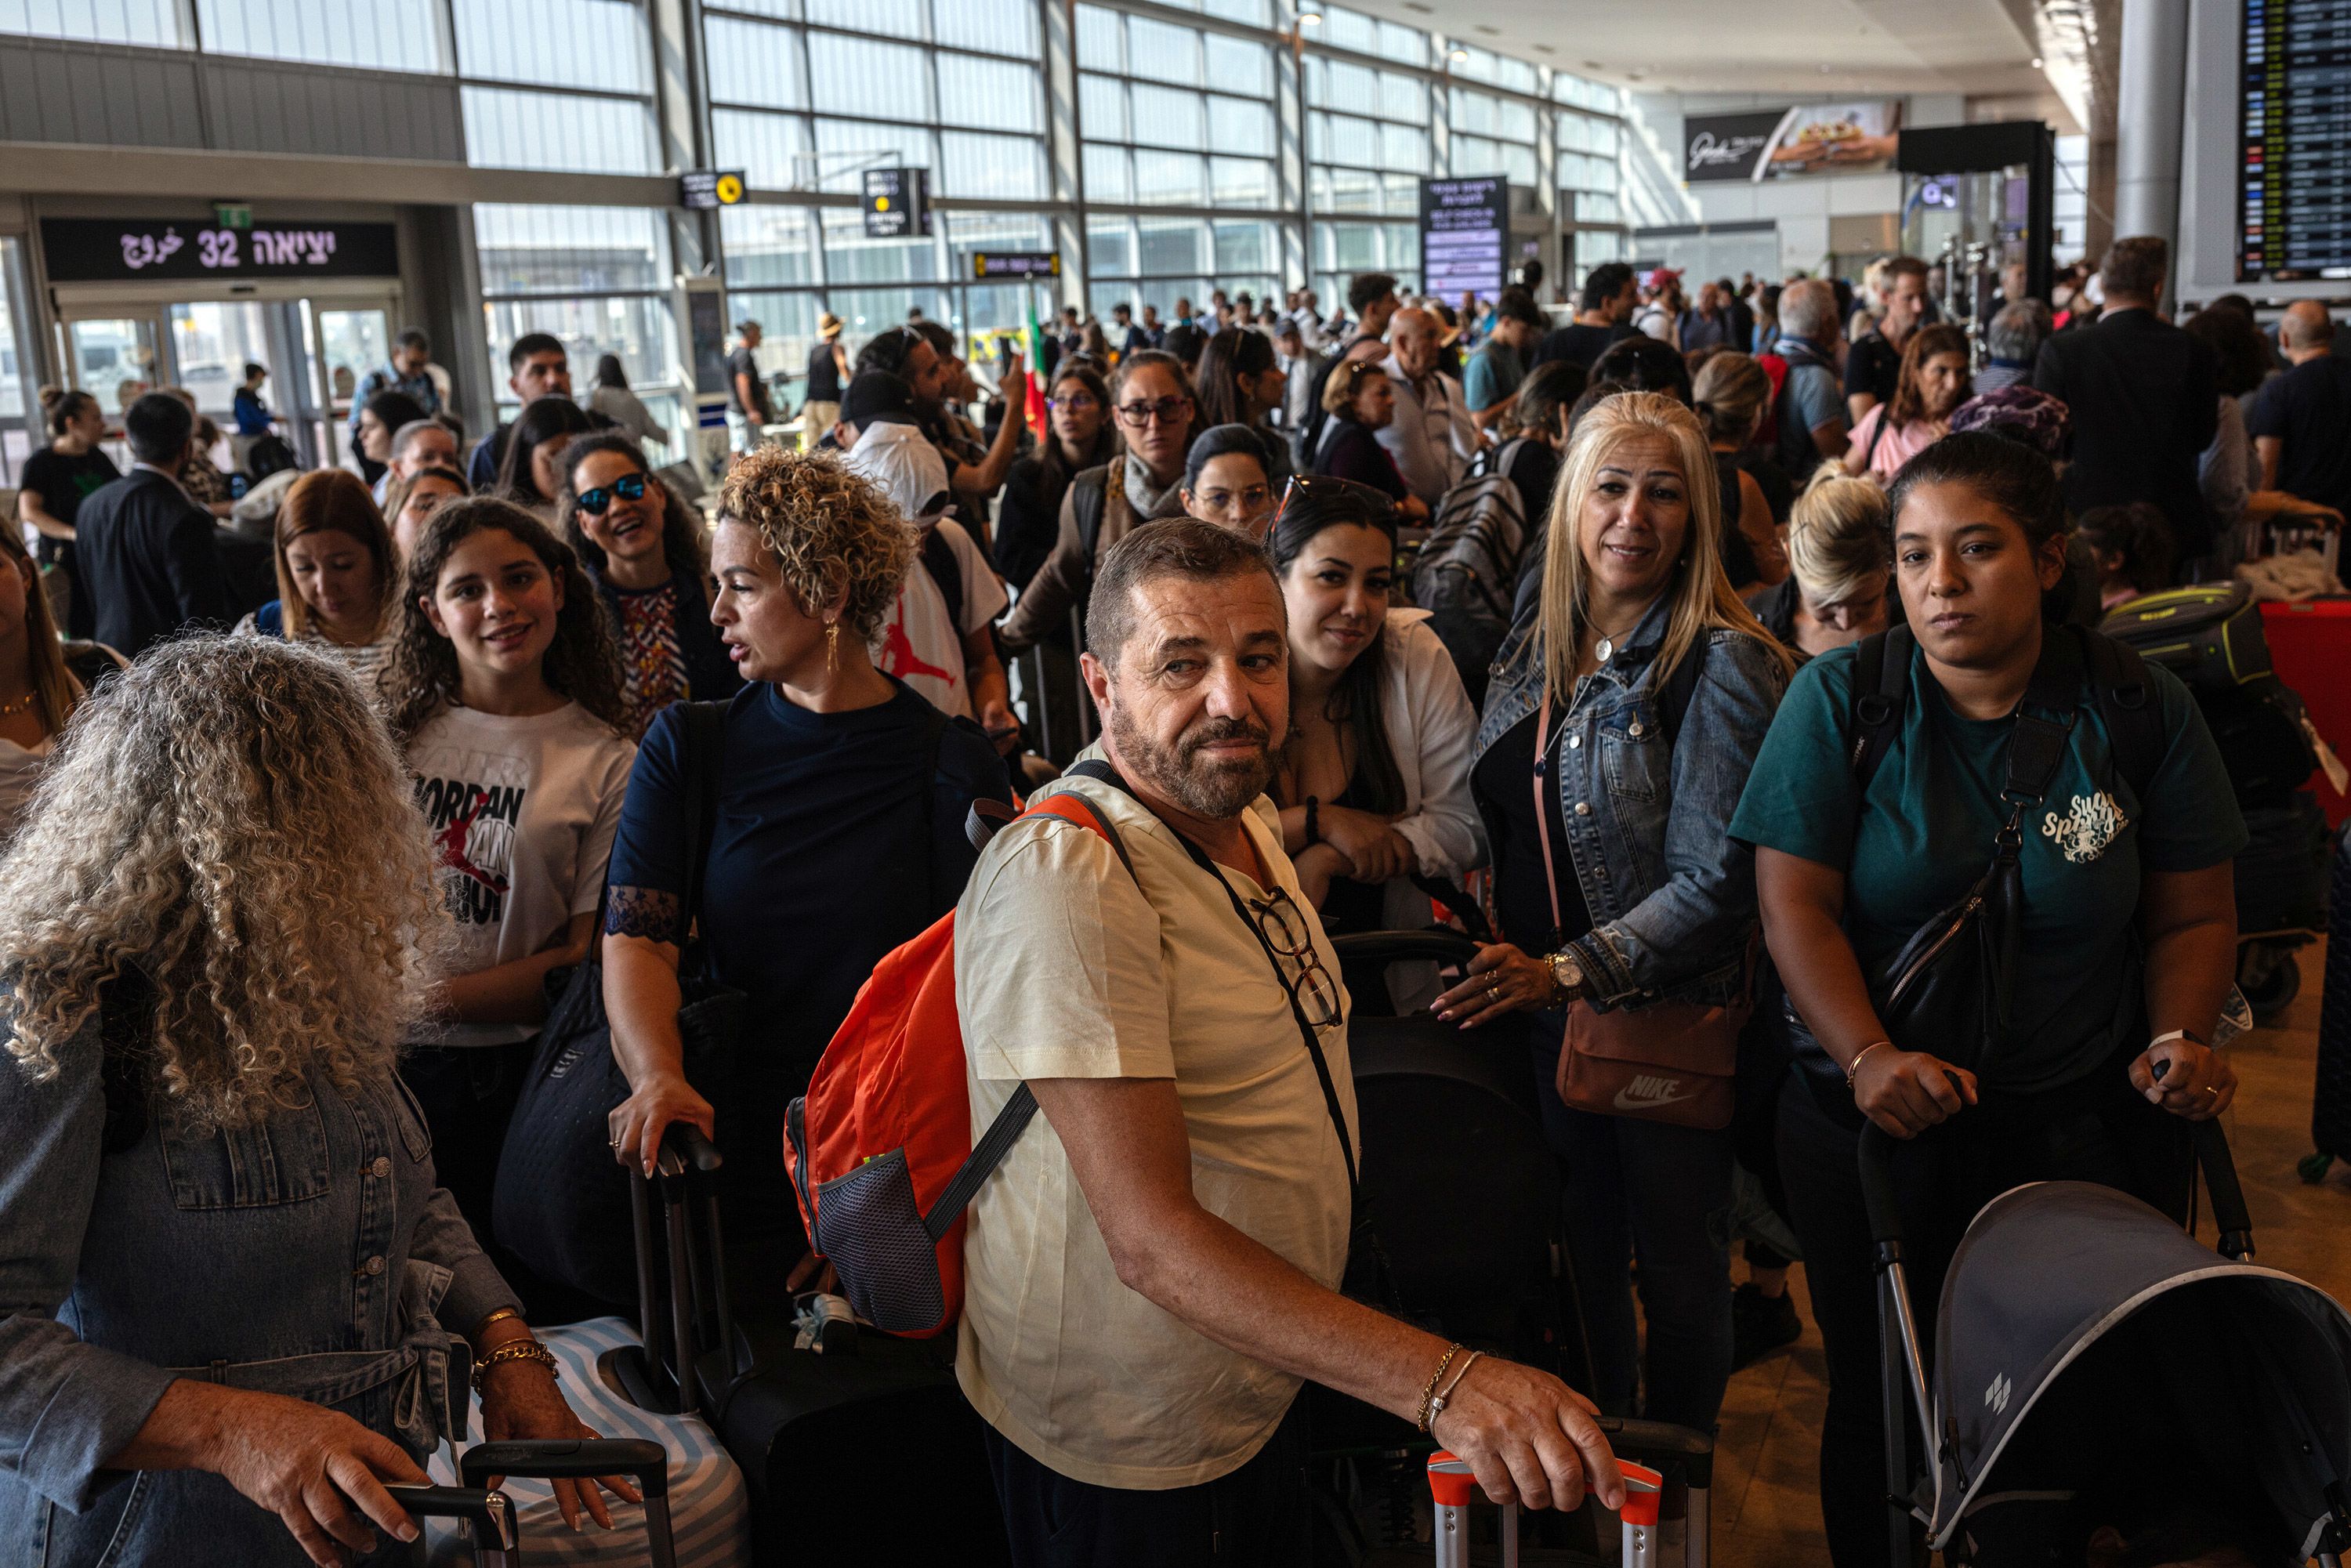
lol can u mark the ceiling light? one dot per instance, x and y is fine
(1459, 57)
(2036, 62)
(1824, 68)
(1309, 16)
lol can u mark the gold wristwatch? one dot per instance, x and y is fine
(1566, 973)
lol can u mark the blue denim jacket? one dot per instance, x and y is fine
(313, 1256)
(1672, 896)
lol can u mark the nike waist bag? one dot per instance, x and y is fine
(879, 1148)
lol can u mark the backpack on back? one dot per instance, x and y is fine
(879, 1148)
(1468, 569)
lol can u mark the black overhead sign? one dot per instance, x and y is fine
(1464, 225)
(987, 263)
(700, 190)
(898, 203)
(123, 250)
(1726, 146)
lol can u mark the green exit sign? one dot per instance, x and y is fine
(232, 215)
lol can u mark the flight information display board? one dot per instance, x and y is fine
(2296, 120)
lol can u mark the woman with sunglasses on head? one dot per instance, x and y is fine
(643, 547)
(1361, 400)
(530, 475)
(1373, 781)
(1627, 704)
(338, 573)
(1079, 436)
(1225, 481)
(504, 693)
(1151, 399)
(42, 677)
(409, 503)
(842, 797)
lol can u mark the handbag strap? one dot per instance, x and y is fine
(705, 727)
(1103, 772)
(1544, 802)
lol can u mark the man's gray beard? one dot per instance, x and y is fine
(1215, 792)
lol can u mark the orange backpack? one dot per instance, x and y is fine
(880, 1147)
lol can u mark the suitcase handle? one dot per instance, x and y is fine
(1658, 1440)
(1439, 945)
(646, 1463)
(490, 1514)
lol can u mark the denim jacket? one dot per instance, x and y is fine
(313, 1256)
(1672, 896)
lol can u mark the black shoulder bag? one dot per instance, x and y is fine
(562, 1202)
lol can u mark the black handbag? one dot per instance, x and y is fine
(561, 1201)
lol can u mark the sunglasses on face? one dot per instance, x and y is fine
(598, 501)
(1348, 500)
(1166, 411)
(1078, 403)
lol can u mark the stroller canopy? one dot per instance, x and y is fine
(2242, 1373)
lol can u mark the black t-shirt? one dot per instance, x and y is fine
(741, 363)
(1579, 345)
(1738, 555)
(1503, 782)
(62, 482)
(1874, 366)
(2309, 408)
(823, 374)
(1534, 469)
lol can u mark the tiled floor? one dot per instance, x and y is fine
(1766, 1511)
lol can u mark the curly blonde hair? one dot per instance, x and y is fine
(836, 536)
(229, 818)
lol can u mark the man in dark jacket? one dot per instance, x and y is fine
(2145, 400)
(146, 550)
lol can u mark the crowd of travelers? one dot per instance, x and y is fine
(289, 870)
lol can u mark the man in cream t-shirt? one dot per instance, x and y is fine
(1154, 1269)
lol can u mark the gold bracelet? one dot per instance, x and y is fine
(521, 1350)
(1853, 1068)
(1429, 1392)
(1436, 1405)
(499, 1316)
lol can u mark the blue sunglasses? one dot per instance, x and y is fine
(629, 487)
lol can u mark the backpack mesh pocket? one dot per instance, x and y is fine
(869, 1224)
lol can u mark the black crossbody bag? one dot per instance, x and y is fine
(1948, 990)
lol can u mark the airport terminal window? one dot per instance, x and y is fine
(375, 34)
(600, 45)
(1345, 29)
(597, 278)
(155, 23)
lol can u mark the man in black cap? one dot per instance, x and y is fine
(875, 397)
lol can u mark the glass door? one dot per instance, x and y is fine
(113, 358)
(212, 342)
(347, 341)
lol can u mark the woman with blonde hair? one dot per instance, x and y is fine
(1614, 887)
(338, 573)
(217, 921)
(840, 823)
(1841, 559)
(41, 678)
(1730, 395)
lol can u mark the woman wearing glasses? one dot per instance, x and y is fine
(1373, 783)
(1626, 709)
(1361, 401)
(643, 550)
(1225, 481)
(1078, 413)
(1151, 398)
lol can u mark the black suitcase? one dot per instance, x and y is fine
(2330, 1109)
(2264, 742)
(2282, 874)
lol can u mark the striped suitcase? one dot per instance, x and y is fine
(710, 1512)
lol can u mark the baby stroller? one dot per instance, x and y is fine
(2095, 1366)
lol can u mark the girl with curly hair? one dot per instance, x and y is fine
(218, 921)
(504, 689)
(839, 829)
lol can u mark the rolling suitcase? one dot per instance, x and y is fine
(2330, 1108)
(2309, 643)
(1684, 1471)
(643, 1384)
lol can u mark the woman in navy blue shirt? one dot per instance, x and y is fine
(839, 830)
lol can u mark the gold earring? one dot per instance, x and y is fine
(832, 645)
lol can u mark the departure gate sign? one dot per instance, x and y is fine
(125, 250)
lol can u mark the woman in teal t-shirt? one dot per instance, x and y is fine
(2126, 952)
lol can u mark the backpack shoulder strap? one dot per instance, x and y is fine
(1881, 685)
(940, 560)
(2127, 701)
(1675, 701)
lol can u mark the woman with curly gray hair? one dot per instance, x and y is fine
(225, 1264)
(840, 827)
